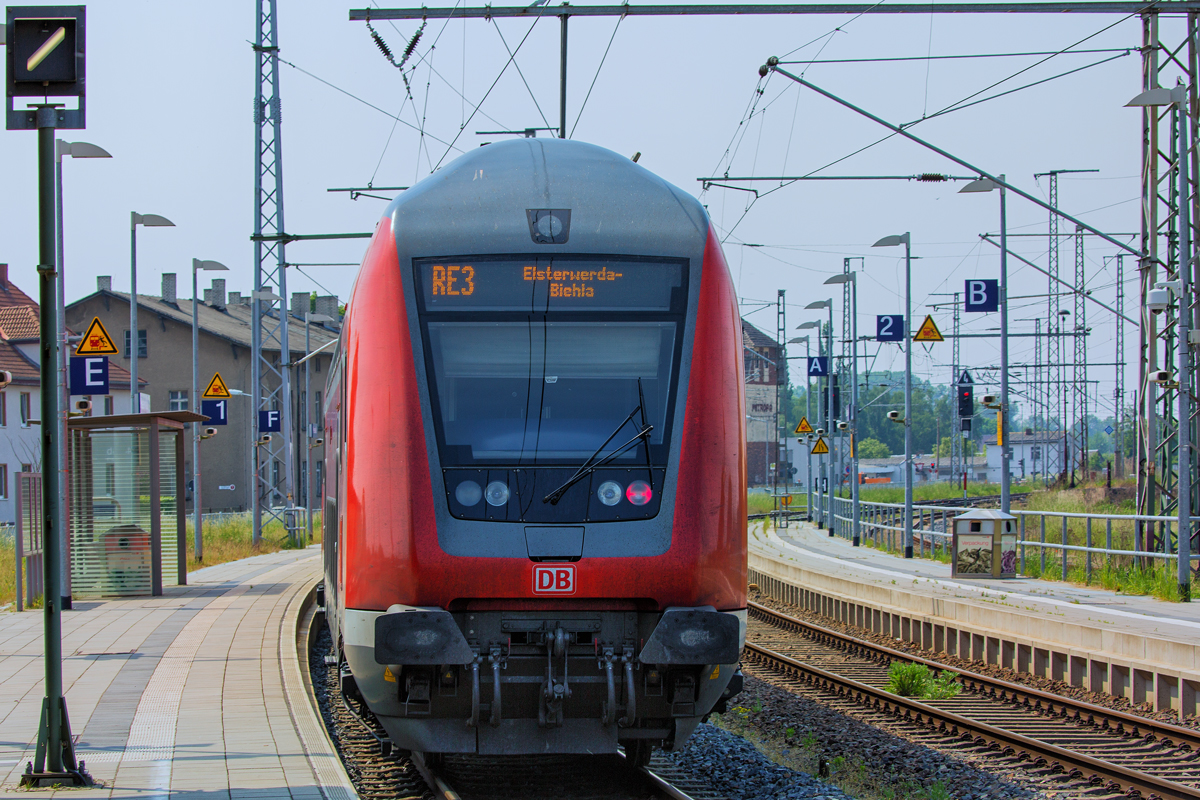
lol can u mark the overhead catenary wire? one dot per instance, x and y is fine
(595, 77)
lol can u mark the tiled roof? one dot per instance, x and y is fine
(232, 323)
(23, 370)
(10, 295)
(753, 337)
(19, 322)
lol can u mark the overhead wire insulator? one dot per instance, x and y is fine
(382, 45)
(931, 177)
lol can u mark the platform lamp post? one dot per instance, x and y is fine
(829, 421)
(808, 477)
(820, 413)
(893, 241)
(308, 404)
(1178, 97)
(852, 278)
(150, 221)
(1002, 416)
(74, 150)
(197, 522)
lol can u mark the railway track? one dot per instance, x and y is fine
(1096, 751)
(380, 773)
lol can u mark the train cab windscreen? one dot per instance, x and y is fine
(539, 361)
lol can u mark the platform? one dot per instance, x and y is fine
(195, 694)
(1137, 647)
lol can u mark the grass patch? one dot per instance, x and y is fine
(8, 571)
(229, 538)
(925, 492)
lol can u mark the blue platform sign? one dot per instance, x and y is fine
(889, 327)
(269, 421)
(217, 411)
(982, 295)
(818, 366)
(89, 375)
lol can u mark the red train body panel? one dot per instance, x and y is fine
(392, 565)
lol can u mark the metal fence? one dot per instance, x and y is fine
(27, 537)
(1069, 538)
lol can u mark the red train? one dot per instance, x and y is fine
(535, 519)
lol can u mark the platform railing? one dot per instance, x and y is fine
(1072, 540)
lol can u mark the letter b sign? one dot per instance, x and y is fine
(982, 295)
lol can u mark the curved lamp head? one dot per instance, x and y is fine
(892, 241)
(820, 304)
(214, 266)
(798, 340)
(845, 277)
(981, 185)
(79, 150)
(150, 220)
(804, 325)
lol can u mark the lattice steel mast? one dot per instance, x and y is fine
(270, 390)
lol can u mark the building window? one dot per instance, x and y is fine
(3, 409)
(26, 409)
(179, 400)
(27, 468)
(141, 343)
(317, 412)
(108, 405)
(318, 365)
(4, 482)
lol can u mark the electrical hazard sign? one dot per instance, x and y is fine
(96, 342)
(803, 426)
(217, 387)
(820, 448)
(929, 332)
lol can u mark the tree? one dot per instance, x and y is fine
(946, 444)
(873, 448)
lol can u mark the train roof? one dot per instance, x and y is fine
(480, 203)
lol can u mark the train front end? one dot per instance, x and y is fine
(540, 485)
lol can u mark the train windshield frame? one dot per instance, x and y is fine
(539, 358)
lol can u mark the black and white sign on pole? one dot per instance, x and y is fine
(982, 295)
(217, 411)
(818, 366)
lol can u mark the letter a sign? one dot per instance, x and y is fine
(982, 295)
(818, 366)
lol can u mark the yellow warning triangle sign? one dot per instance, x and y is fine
(803, 426)
(217, 387)
(820, 448)
(96, 342)
(929, 331)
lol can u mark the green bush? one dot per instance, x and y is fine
(908, 680)
(944, 686)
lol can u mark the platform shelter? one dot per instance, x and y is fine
(126, 503)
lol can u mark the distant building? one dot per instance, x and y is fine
(165, 352)
(21, 400)
(1032, 452)
(760, 357)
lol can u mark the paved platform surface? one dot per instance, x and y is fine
(192, 695)
(813, 547)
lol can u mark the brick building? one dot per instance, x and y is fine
(761, 360)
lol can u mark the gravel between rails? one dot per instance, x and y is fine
(727, 763)
(1044, 684)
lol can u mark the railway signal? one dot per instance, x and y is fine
(45, 59)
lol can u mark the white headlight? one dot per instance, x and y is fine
(609, 493)
(497, 493)
(468, 493)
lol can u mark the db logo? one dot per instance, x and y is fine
(557, 579)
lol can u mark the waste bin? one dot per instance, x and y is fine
(127, 560)
(984, 545)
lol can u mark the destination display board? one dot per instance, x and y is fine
(540, 284)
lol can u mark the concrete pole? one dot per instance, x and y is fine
(1002, 424)
(857, 530)
(197, 523)
(135, 397)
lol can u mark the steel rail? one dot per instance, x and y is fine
(758, 9)
(1067, 760)
(659, 783)
(1079, 709)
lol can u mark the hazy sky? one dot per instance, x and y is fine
(171, 88)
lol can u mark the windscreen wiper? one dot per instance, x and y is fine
(590, 465)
